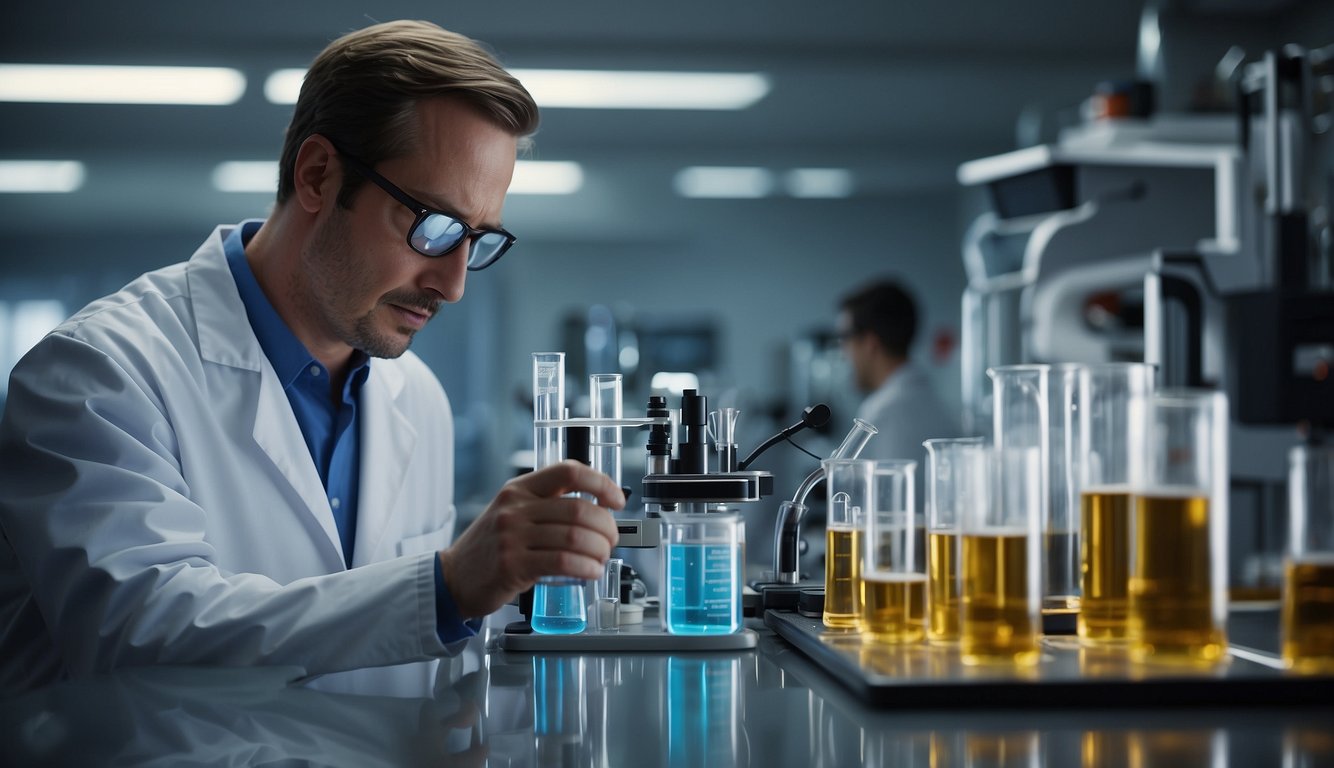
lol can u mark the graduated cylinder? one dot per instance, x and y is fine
(1114, 402)
(851, 489)
(1178, 533)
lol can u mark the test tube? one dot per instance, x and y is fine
(1308, 578)
(1000, 589)
(548, 405)
(558, 601)
(1114, 401)
(604, 395)
(893, 578)
(1061, 526)
(956, 479)
(1178, 532)
(609, 597)
(851, 491)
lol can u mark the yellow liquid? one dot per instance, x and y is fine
(942, 568)
(842, 572)
(1308, 614)
(998, 624)
(894, 606)
(1171, 594)
(1104, 566)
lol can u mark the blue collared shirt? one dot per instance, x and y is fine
(328, 424)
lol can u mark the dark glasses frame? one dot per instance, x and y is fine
(425, 212)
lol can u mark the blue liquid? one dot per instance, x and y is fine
(558, 607)
(703, 589)
(703, 712)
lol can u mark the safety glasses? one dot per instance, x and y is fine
(435, 233)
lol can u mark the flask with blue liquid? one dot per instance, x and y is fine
(703, 556)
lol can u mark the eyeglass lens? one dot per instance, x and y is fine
(437, 234)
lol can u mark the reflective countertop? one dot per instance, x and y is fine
(770, 706)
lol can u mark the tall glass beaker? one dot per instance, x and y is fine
(1308, 583)
(1000, 588)
(1060, 527)
(956, 480)
(893, 576)
(851, 493)
(558, 601)
(604, 402)
(1178, 532)
(1113, 416)
(703, 560)
(548, 405)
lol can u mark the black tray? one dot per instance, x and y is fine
(1067, 675)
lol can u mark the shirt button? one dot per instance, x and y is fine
(335, 503)
(314, 370)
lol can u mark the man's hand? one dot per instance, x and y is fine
(530, 530)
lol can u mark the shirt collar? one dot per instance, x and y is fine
(286, 353)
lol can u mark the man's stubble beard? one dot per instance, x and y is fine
(338, 282)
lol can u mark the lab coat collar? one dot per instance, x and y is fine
(226, 338)
(893, 387)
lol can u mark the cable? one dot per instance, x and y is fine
(803, 450)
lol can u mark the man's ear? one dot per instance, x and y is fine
(318, 174)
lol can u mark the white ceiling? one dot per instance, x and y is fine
(900, 92)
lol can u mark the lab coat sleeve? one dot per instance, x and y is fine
(95, 507)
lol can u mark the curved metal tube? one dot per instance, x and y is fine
(787, 529)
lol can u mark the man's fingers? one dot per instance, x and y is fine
(572, 538)
(554, 562)
(572, 477)
(574, 512)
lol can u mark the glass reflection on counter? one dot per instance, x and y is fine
(1205, 748)
(1019, 749)
(1308, 747)
(705, 711)
(560, 714)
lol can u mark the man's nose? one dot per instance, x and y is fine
(447, 274)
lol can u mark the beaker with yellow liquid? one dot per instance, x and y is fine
(893, 581)
(851, 492)
(1113, 413)
(1307, 617)
(1178, 533)
(1000, 576)
(955, 480)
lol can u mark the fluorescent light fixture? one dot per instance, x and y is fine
(818, 182)
(246, 176)
(722, 181)
(40, 175)
(533, 177)
(530, 177)
(284, 85)
(80, 84)
(601, 89)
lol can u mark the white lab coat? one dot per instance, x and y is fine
(906, 410)
(159, 505)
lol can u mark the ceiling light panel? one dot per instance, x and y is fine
(41, 175)
(601, 89)
(80, 84)
(598, 89)
(246, 176)
(818, 182)
(546, 177)
(724, 182)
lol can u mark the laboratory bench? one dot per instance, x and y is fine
(773, 705)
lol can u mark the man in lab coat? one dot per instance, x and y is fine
(235, 461)
(876, 326)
